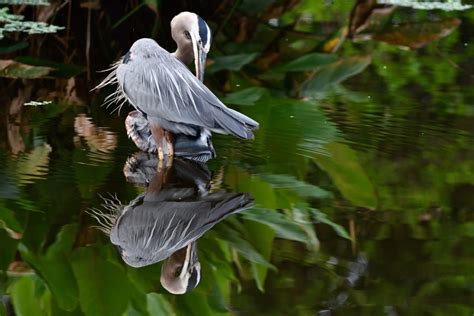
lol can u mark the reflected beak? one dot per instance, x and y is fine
(199, 58)
(190, 274)
(190, 259)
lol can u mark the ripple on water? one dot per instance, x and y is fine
(402, 134)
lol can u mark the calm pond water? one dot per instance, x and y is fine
(355, 198)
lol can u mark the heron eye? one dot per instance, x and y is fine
(188, 36)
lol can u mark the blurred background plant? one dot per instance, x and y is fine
(364, 158)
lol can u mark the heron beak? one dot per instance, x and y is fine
(199, 58)
(187, 259)
(201, 64)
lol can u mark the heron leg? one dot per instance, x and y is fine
(170, 143)
(159, 137)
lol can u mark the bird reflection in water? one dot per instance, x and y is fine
(165, 221)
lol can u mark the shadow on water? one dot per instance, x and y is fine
(358, 186)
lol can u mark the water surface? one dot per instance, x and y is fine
(362, 182)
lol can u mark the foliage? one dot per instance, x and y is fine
(448, 5)
(15, 23)
(361, 170)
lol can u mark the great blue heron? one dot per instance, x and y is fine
(165, 222)
(199, 147)
(165, 92)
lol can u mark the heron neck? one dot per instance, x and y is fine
(185, 54)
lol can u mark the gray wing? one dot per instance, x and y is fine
(153, 231)
(161, 86)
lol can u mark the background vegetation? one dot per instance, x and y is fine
(362, 171)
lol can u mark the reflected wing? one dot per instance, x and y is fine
(153, 231)
(161, 86)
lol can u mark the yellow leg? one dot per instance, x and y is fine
(169, 142)
(159, 135)
(161, 156)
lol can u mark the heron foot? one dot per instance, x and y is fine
(169, 143)
(161, 155)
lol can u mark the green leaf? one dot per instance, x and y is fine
(245, 97)
(8, 220)
(195, 303)
(103, 286)
(25, 2)
(284, 227)
(157, 304)
(261, 237)
(307, 62)
(24, 299)
(280, 181)
(243, 247)
(335, 73)
(347, 174)
(3, 312)
(64, 241)
(60, 70)
(232, 62)
(322, 218)
(34, 165)
(16, 70)
(55, 269)
(468, 229)
(15, 23)
(8, 250)
(12, 47)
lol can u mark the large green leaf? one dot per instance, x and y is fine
(242, 246)
(60, 70)
(55, 269)
(306, 62)
(261, 237)
(245, 97)
(322, 218)
(103, 286)
(24, 299)
(157, 304)
(281, 181)
(335, 73)
(347, 174)
(232, 62)
(284, 227)
(196, 303)
(16, 70)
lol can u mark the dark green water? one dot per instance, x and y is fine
(362, 178)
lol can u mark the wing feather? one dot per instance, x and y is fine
(161, 86)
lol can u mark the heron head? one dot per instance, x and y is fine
(192, 34)
(181, 272)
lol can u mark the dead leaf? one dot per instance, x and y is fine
(97, 138)
(417, 35)
(13, 69)
(365, 14)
